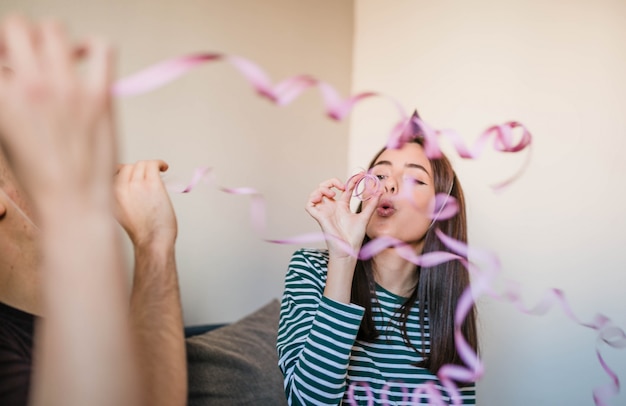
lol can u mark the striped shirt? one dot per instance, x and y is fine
(321, 360)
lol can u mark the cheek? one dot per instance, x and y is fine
(419, 212)
(19, 200)
(421, 202)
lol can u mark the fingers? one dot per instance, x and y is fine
(56, 117)
(350, 186)
(141, 170)
(34, 50)
(37, 50)
(163, 166)
(317, 196)
(56, 53)
(368, 206)
(325, 189)
(18, 40)
(97, 82)
(99, 57)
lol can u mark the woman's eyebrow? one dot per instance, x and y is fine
(417, 166)
(409, 165)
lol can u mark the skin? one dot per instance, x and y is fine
(405, 197)
(57, 127)
(146, 213)
(19, 253)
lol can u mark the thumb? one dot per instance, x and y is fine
(369, 205)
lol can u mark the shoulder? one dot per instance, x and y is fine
(314, 257)
(308, 263)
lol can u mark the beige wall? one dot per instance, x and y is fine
(213, 117)
(557, 66)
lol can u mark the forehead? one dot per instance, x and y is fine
(410, 153)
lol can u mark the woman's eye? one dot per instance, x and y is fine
(414, 181)
(381, 177)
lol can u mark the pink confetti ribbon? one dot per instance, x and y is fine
(201, 174)
(482, 283)
(257, 206)
(503, 141)
(337, 108)
(282, 93)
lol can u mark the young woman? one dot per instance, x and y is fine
(377, 329)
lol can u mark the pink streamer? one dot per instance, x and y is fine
(482, 284)
(366, 187)
(431, 390)
(160, 74)
(282, 93)
(337, 108)
(482, 281)
(368, 393)
(504, 141)
(257, 206)
(200, 174)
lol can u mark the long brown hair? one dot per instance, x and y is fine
(438, 289)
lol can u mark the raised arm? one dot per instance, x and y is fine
(318, 324)
(338, 222)
(57, 129)
(315, 334)
(145, 211)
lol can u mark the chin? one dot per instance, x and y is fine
(378, 234)
(413, 240)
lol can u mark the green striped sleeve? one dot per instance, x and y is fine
(316, 334)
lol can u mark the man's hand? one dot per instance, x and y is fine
(143, 206)
(144, 209)
(57, 128)
(56, 119)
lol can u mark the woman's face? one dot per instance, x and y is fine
(404, 209)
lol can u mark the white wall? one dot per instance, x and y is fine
(213, 117)
(558, 67)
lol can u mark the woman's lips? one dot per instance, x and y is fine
(385, 208)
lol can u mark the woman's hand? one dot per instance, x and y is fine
(336, 219)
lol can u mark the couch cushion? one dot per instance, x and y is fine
(237, 364)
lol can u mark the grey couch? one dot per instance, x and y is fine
(236, 364)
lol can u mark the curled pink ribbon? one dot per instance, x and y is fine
(366, 187)
(282, 93)
(503, 141)
(337, 109)
(483, 279)
(335, 106)
(482, 283)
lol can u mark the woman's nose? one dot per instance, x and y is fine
(390, 185)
